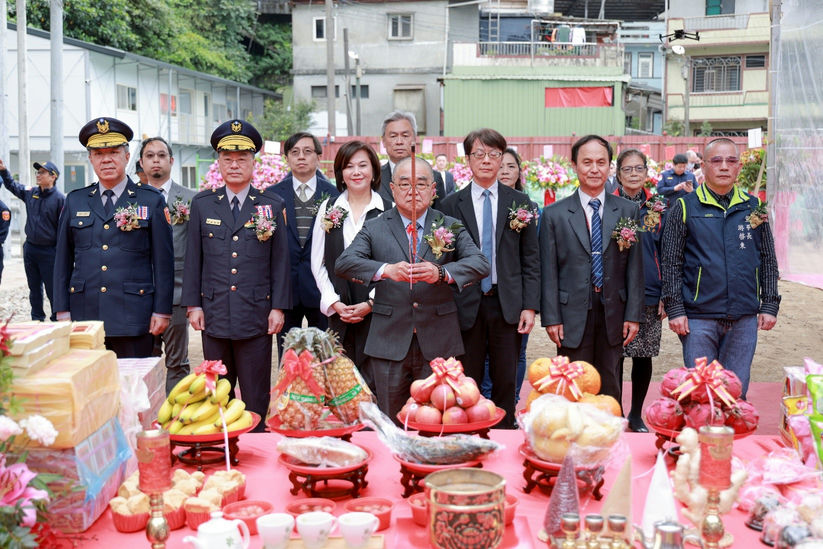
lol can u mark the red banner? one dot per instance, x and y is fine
(601, 96)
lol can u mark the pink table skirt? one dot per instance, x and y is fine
(266, 479)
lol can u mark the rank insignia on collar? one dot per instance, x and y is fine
(220, 196)
(252, 197)
(131, 192)
(93, 192)
(236, 126)
(103, 126)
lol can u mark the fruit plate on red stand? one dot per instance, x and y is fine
(327, 482)
(477, 427)
(414, 473)
(206, 449)
(332, 427)
(217, 437)
(664, 435)
(541, 473)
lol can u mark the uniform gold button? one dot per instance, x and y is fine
(234, 254)
(105, 247)
(72, 289)
(80, 223)
(211, 235)
(103, 289)
(234, 288)
(104, 268)
(106, 226)
(142, 292)
(235, 237)
(234, 271)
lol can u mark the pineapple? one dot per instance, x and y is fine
(345, 388)
(296, 405)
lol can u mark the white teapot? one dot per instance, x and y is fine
(219, 533)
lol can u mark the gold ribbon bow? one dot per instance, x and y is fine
(563, 374)
(708, 374)
(212, 368)
(295, 367)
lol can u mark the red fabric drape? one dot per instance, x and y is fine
(600, 96)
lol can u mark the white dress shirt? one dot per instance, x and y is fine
(165, 190)
(477, 201)
(311, 183)
(351, 226)
(584, 201)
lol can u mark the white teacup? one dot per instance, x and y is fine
(315, 527)
(275, 530)
(357, 528)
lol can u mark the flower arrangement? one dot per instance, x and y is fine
(554, 173)
(520, 215)
(461, 172)
(180, 211)
(655, 172)
(758, 216)
(263, 223)
(333, 218)
(626, 232)
(24, 494)
(750, 163)
(655, 206)
(441, 238)
(269, 169)
(128, 218)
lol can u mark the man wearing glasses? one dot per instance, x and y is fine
(719, 267)
(414, 315)
(302, 190)
(495, 314)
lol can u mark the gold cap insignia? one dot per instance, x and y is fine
(103, 126)
(236, 126)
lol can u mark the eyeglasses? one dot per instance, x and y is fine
(305, 152)
(480, 155)
(406, 186)
(717, 161)
(629, 169)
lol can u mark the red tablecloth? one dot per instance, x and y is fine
(268, 480)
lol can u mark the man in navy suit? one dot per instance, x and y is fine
(115, 260)
(441, 162)
(236, 276)
(302, 190)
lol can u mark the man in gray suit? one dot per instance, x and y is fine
(592, 292)
(156, 158)
(410, 325)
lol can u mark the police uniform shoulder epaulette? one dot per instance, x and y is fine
(149, 188)
(204, 193)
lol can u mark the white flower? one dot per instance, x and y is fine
(8, 428)
(39, 429)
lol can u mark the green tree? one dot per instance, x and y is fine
(271, 55)
(705, 129)
(673, 127)
(281, 120)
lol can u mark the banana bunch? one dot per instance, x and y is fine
(188, 410)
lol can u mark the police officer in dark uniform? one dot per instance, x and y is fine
(115, 260)
(236, 280)
(5, 222)
(676, 182)
(43, 206)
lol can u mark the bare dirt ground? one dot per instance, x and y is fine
(798, 333)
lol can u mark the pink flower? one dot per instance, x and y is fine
(627, 234)
(14, 488)
(444, 235)
(8, 428)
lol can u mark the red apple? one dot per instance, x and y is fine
(420, 391)
(478, 412)
(443, 397)
(490, 405)
(408, 411)
(428, 415)
(455, 414)
(467, 394)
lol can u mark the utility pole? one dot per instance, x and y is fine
(56, 153)
(349, 128)
(330, 68)
(4, 133)
(23, 157)
(775, 9)
(358, 73)
(687, 76)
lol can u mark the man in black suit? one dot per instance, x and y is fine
(592, 292)
(410, 326)
(495, 315)
(399, 133)
(236, 281)
(302, 191)
(441, 162)
(115, 260)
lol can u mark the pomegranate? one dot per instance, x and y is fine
(666, 413)
(455, 414)
(443, 397)
(672, 380)
(743, 418)
(699, 414)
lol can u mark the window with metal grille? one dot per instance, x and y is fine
(755, 61)
(400, 27)
(627, 63)
(645, 65)
(719, 7)
(716, 74)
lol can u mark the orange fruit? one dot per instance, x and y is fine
(589, 381)
(538, 369)
(604, 402)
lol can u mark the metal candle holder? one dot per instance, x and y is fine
(154, 465)
(715, 476)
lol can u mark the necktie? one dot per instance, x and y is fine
(413, 245)
(486, 242)
(235, 208)
(108, 205)
(303, 192)
(597, 244)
